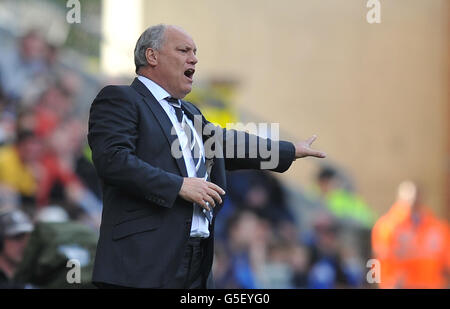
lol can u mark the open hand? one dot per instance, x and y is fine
(303, 149)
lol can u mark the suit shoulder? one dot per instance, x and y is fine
(191, 106)
(116, 92)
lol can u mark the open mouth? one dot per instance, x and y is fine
(189, 73)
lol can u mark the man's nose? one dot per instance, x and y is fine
(193, 59)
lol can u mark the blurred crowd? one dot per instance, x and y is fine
(47, 182)
(42, 157)
(261, 243)
(50, 204)
(264, 244)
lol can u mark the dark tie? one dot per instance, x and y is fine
(199, 160)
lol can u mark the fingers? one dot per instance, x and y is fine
(215, 196)
(207, 199)
(212, 196)
(303, 149)
(208, 193)
(318, 154)
(216, 188)
(311, 140)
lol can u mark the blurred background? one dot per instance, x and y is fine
(377, 95)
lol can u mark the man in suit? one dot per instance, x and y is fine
(162, 167)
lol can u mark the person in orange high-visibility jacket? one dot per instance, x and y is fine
(382, 238)
(421, 247)
(411, 244)
(383, 231)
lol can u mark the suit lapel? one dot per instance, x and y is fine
(194, 117)
(191, 113)
(163, 119)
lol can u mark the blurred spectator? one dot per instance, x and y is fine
(355, 217)
(383, 232)
(9, 198)
(54, 241)
(417, 251)
(51, 110)
(247, 237)
(15, 229)
(328, 268)
(275, 271)
(20, 65)
(343, 203)
(260, 192)
(253, 256)
(19, 163)
(299, 261)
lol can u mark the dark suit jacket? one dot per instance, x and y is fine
(145, 224)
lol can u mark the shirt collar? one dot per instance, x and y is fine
(157, 91)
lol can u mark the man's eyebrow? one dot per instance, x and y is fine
(188, 48)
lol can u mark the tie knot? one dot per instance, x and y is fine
(177, 107)
(174, 102)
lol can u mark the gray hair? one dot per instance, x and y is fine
(152, 37)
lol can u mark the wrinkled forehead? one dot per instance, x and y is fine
(175, 35)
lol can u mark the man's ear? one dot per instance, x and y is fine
(151, 56)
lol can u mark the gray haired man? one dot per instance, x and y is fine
(159, 210)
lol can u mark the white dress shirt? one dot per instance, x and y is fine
(200, 224)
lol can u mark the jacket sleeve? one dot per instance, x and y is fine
(248, 151)
(112, 136)
(242, 150)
